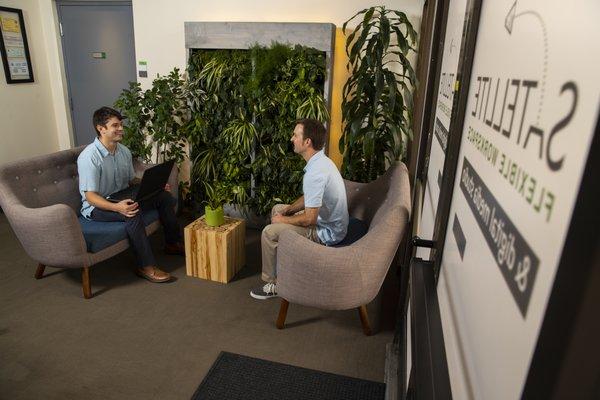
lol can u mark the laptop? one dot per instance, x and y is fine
(153, 181)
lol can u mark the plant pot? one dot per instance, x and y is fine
(214, 217)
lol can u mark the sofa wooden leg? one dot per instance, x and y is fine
(85, 281)
(364, 320)
(39, 273)
(282, 314)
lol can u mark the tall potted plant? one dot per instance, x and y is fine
(377, 100)
(131, 102)
(166, 104)
(155, 118)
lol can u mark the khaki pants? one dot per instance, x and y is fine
(270, 238)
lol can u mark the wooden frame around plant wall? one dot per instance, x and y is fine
(14, 47)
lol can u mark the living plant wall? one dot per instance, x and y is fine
(235, 110)
(244, 104)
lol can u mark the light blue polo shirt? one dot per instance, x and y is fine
(103, 172)
(323, 187)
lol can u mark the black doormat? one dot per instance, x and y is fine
(233, 376)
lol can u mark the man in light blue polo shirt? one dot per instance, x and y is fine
(321, 214)
(105, 167)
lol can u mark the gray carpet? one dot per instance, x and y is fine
(135, 339)
(237, 377)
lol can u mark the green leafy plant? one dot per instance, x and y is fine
(155, 118)
(217, 194)
(131, 104)
(292, 89)
(168, 111)
(220, 131)
(236, 110)
(240, 136)
(377, 99)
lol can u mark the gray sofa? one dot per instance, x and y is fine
(40, 197)
(342, 278)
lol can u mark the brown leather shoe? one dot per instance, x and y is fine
(154, 275)
(175, 249)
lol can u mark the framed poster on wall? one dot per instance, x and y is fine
(14, 47)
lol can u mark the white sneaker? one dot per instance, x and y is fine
(267, 291)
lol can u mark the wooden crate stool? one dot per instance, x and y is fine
(215, 253)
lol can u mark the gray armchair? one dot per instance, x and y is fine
(341, 278)
(40, 197)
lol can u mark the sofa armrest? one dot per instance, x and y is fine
(318, 276)
(50, 235)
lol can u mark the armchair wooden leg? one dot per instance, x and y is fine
(364, 320)
(282, 314)
(39, 273)
(85, 280)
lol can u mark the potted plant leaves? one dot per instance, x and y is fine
(217, 194)
(377, 99)
(156, 117)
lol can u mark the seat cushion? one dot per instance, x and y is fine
(100, 235)
(356, 230)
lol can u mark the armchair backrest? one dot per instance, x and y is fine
(42, 181)
(385, 204)
(372, 201)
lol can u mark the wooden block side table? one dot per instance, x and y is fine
(215, 253)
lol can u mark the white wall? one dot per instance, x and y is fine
(159, 34)
(58, 84)
(27, 121)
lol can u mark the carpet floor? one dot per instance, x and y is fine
(139, 340)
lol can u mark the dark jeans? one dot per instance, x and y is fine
(164, 203)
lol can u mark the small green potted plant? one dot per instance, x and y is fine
(217, 195)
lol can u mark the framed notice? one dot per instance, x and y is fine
(13, 46)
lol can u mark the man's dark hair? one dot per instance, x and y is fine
(102, 115)
(313, 130)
